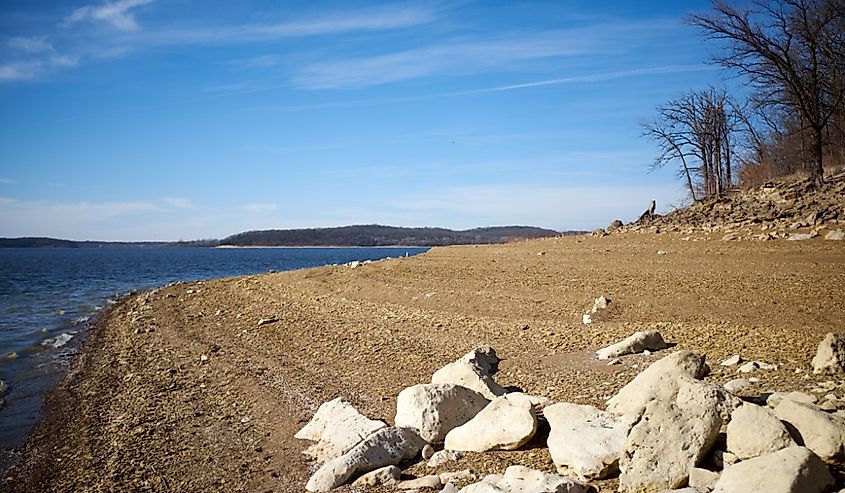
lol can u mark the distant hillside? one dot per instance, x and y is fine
(375, 235)
(56, 243)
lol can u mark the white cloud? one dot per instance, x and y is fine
(74, 220)
(34, 44)
(259, 208)
(467, 56)
(179, 202)
(116, 14)
(6, 181)
(34, 68)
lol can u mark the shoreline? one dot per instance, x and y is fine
(180, 389)
(396, 247)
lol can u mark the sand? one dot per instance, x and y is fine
(180, 389)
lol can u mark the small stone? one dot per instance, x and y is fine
(600, 303)
(444, 457)
(266, 321)
(427, 451)
(702, 479)
(457, 477)
(835, 235)
(733, 360)
(736, 385)
(586, 319)
(830, 356)
(662, 252)
(388, 476)
(636, 343)
(431, 482)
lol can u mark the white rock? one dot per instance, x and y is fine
(736, 384)
(703, 394)
(507, 423)
(702, 479)
(434, 409)
(431, 482)
(601, 303)
(473, 370)
(791, 470)
(773, 399)
(388, 476)
(755, 431)
(449, 488)
(830, 357)
(443, 457)
(585, 440)
(821, 432)
(520, 479)
(835, 235)
(635, 343)
(336, 427)
(667, 442)
(586, 319)
(733, 360)
(456, 476)
(723, 459)
(803, 236)
(658, 381)
(388, 446)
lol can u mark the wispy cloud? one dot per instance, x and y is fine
(585, 78)
(460, 57)
(35, 68)
(179, 202)
(65, 219)
(34, 44)
(259, 208)
(372, 19)
(7, 181)
(118, 14)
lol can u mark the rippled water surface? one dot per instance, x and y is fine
(48, 296)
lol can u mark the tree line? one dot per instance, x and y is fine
(791, 55)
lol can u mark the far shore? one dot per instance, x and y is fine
(322, 246)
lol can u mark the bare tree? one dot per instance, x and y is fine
(698, 129)
(792, 53)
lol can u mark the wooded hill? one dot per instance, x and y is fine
(376, 235)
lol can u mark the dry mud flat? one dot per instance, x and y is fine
(182, 389)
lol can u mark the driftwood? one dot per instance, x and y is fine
(649, 214)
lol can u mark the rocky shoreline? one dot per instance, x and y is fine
(183, 389)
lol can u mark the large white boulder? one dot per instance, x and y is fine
(473, 370)
(830, 357)
(638, 342)
(336, 427)
(585, 440)
(434, 409)
(668, 441)
(520, 479)
(658, 381)
(821, 432)
(507, 423)
(791, 470)
(386, 447)
(690, 390)
(754, 431)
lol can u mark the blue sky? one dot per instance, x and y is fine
(182, 119)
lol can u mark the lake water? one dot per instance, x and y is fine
(48, 296)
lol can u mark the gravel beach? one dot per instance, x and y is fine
(201, 386)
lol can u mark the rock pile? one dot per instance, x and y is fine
(790, 210)
(666, 430)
